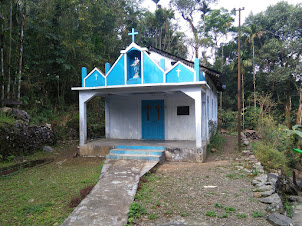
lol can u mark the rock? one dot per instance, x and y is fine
(272, 177)
(275, 207)
(247, 170)
(213, 150)
(294, 198)
(6, 110)
(246, 142)
(263, 188)
(252, 157)
(20, 114)
(257, 195)
(48, 149)
(285, 185)
(274, 198)
(297, 217)
(278, 219)
(168, 155)
(260, 180)
(246, 153)
(267, 193)
(21, 138)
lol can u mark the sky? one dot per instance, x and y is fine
(250, 6)
(254, 6)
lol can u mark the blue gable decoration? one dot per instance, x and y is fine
(180, 73)
(139, 66)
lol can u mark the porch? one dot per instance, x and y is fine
(175, 150)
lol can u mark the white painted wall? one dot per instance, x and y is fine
(125, 116)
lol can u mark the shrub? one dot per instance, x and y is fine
(216, 142)
(228, 119)
(251, 117)
(269, 156)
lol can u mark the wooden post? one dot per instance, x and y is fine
(239, 86)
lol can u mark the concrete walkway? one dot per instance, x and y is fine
(108, 203)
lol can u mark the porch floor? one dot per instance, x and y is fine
(190, 144)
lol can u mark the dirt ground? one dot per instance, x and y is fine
(217, 192)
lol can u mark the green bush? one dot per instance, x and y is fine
(270, 157)
(216, 142)
(228, 119)
(251, 117)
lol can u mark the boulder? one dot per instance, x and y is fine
(274, 198)
(278, 219)
(285, 185)
(21, 115)
(48, 149)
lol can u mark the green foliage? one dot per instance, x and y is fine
(228, 119)
(152, 216)
(289, 209)
(216, 142)
(184, 214)
(257, 214)
(225, 215)
(217, 205)
(211, 214)
(241, 215)
(269, 156)
(251, 118)
(5, 119)
(136, 211)
(229, 209)
(25, 195)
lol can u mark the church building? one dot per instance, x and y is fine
(153, 95)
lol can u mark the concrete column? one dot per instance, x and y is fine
(84, 74)
(195, 93)
(84, 97)
(107, 117)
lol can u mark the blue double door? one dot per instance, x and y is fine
(153, 122)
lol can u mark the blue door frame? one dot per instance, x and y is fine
(153, 122)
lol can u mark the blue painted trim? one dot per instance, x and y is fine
(84, 74)
(133, 152)
(141, 147)
(153, 73)
(162, 64)
(197, 69)
(107, 68)
(116, 74)
(180, 73)
(95, 78)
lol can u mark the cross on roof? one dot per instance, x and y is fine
(178, 72)
(133, 34)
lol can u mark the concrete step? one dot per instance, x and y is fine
(141, 147)
(134, 157)
(135, 152)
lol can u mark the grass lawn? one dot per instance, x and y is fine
(40, 195)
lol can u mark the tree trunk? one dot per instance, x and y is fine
(10, 48)
(20, 55)
(299, 113)
(2, 58)
(288, 106)
(195, 33)
(254, 75)
(242, 85)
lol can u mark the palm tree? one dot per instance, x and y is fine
(253, 32)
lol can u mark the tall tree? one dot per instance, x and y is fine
(281, 51)
(253, 32)
(190, 10)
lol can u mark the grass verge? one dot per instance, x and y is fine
(40, 195)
